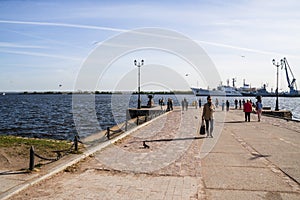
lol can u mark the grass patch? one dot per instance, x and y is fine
(19, 146)
(15, 151)
(13, 141)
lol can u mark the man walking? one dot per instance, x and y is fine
(208, 116)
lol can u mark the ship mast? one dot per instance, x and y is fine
(233, 82)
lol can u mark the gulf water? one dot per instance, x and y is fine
(52, 115)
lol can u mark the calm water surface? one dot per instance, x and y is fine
(51, 116)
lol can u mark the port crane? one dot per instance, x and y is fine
(291, 83)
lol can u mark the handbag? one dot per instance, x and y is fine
(202, 128)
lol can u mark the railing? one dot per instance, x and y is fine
(110, 133)
(59, 153)
(130, 123)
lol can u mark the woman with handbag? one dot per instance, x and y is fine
(202, 128)
(208, 116)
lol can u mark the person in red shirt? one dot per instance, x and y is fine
(247, 110)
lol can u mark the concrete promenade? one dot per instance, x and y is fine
(244, 160)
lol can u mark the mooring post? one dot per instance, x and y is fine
(76, 142)
(31, 159)
(108, 133)
(126, 121)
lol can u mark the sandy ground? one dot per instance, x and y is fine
(14, 158)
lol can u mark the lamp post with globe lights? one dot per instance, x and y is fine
(139, 64)
(277, 65)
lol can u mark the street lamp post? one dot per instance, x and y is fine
(139, 64)
(277, 65)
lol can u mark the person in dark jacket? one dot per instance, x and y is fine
(227, 105)
(208, 116)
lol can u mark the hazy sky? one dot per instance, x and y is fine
(44, 44)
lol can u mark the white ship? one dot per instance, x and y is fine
(222, 90)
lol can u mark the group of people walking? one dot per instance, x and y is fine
(248, 108)
(184, 104)
(209, 109)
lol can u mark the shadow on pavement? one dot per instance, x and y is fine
(175, 139)
(256, 156)
(234, 122)
(13, 172)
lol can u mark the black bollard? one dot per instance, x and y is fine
(76, 142)
(31, 159)
(126, 122)
(108, 133)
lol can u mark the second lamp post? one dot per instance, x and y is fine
(139, 64)
(277, 65)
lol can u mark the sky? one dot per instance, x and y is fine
(44, 45)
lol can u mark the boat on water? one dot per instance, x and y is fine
(221, 90)
(246, 91)
(287, 94)
(253, 92)
(250, 92)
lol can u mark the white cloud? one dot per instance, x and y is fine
(15, 45)
(61, 24)
(29, 53)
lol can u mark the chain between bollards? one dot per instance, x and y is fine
(32, 154)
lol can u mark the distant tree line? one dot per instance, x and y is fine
(107, 92)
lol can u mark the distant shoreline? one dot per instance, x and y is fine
(98, 92)
(120, 93)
